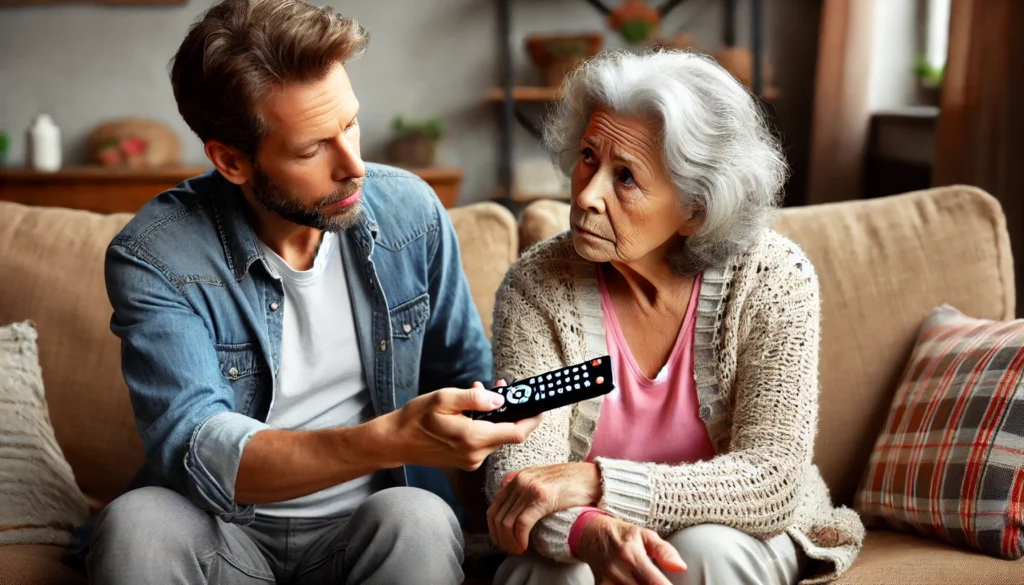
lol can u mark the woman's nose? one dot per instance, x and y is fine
(592, 197)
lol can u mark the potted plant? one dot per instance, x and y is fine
(556, 55)
(414, 143)
(929, 80)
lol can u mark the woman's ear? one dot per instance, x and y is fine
(690, 225)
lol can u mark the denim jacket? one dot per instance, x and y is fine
(199, 317)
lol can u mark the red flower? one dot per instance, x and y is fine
(132, 146)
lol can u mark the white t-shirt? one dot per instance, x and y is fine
(320, 381)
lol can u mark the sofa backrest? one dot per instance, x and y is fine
(51, 272)
(883, 264)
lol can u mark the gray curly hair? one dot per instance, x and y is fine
(724, 161)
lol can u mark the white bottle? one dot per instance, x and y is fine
(44, 144)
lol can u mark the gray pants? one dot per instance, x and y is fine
(155, 535)
(713, 554)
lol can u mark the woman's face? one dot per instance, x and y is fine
(624, 206)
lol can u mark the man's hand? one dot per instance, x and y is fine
(528, 495)
(620, 553)
(431, 430)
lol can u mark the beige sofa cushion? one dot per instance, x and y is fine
(883, 264)
(36, 564)
(52, 263)
(891, 558)
(489, 244)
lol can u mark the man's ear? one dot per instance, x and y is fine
(229, 161)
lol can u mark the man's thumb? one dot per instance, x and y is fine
(481, 399)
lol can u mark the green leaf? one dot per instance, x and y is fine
(636, 31)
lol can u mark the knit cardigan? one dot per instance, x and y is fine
(756, 339)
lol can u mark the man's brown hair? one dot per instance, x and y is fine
(239, 49)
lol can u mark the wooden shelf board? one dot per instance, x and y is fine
(523, 93)
(99, 173)
(519, 197)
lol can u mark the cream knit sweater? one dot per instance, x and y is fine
(756, 372)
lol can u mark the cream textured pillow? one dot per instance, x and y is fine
(40, 503)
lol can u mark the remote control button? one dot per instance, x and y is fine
(600, 380)
(596, 363)
(575, 369)
(577, 386)
(532, 381)
(542, 386)
(586, 375)
(559, 390)
(502, 409)
(518, 394)
(587, 384)
(575, 377)
(549, 376)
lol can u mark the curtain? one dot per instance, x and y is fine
(979, 137)
(841, 116)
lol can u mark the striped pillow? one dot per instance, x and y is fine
(949, 464)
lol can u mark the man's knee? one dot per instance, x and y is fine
(143, 529)
(148, 515)
(406, 509)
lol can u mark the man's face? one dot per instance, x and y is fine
(308, 169)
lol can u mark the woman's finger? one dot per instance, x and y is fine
(492, 512)
(620, 572)
(526, 520)
(509, 477)
(503, 518)
(662, 552)
(646, 573)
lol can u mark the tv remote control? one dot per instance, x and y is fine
(536, 394)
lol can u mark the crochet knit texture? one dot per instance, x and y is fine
(756, 371)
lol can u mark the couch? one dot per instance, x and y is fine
(882, 264)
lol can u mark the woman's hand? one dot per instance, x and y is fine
(528, 495)
(620, 553)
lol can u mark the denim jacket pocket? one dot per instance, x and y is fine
(408, 322)
(242, 366)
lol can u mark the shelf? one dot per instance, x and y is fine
(518, 197)
(524, 93)
(100, 174)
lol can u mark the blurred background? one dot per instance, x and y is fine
(870, 97)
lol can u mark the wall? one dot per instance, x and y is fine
(84, 64)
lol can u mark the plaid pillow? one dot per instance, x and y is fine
(950, 462)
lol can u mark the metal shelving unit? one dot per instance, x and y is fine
(508, 95)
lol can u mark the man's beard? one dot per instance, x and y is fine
(288, 206)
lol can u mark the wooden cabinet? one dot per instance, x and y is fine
(106, 190)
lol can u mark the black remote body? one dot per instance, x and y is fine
(536, 394)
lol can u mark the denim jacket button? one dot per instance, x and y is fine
(233, 372)
(274, 307)
(407, 328)
(383, 346)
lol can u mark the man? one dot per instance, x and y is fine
(279, 317)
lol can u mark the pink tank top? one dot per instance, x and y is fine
(651, 420)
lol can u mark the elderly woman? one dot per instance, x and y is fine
(697, 467)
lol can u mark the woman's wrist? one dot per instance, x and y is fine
(592, 480)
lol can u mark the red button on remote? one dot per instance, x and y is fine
(595, 363)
